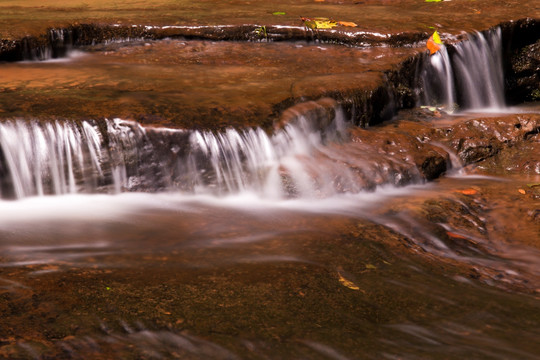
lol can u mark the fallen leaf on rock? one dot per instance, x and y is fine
(533, 185)
(432, 0)
(455, 236)
(319, 23)
(347, 23)
(279, 13)
(370, 266)
(434, 43)
(521, 191)
(467, 191)
(436, 38)
(325, 24)
(347, 283)
(430, 108)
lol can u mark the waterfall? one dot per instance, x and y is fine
(66, 157)
(48, 158)
(470, 77)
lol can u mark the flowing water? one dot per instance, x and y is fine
(124, 241)
(62, 158)
(471, 77)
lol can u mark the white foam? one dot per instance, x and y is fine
(105, 207)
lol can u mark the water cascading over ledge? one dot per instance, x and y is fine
(468, 75)
(65, 157)
(298, 161)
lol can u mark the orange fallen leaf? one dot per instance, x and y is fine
(455, 236)
(347, 23)
(467, 191)
(521, 191)
(434, 43)
(432, 47)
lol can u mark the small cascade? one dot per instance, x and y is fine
(61, 42)
(58, 44)
(437, 78)
(53, 158)
(467, 76)
(63, 157)
(272, 166)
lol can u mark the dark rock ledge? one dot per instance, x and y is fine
(57, 40)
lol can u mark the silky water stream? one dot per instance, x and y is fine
(123, 241)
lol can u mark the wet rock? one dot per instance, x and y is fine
(520, 158)
(522, 60)
(524, 80)
(52, 43)
(403, 152)
(495, 145)
(320, 113)
(433, 165)
(479, 139)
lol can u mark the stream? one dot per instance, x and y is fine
(316, 239)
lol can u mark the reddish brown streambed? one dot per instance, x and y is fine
(207, 281)
(190, 84)
(449, 269)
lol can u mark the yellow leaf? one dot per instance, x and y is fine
(437, 38)
(370, 266)
(319, 23)
(347, 283)
(347, 23)
(324, 24)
